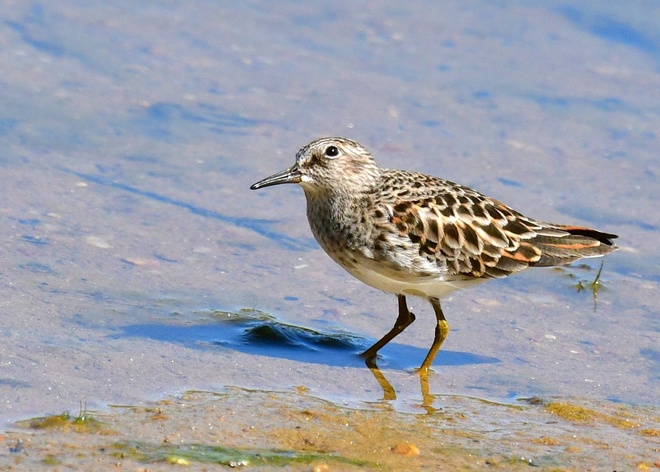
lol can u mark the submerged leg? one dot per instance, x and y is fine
(441, 331)
(404, 320)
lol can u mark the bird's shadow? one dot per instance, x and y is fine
(256, 332)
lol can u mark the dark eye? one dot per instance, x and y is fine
(331, 151)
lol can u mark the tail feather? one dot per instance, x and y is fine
(576, 242)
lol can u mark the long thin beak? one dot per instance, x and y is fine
(290, 176)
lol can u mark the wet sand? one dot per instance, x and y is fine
(265, 430)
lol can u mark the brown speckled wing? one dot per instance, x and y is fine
(476, 236)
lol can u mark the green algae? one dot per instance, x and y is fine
(184, 454)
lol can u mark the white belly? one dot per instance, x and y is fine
(390, 280)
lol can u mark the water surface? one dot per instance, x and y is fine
(131, 132)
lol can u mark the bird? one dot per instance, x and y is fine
(412, 234)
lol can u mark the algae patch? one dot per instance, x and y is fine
(233, 457)
(82, 423)
(580, 414)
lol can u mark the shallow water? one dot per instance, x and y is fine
(269, 430)
(130, 134)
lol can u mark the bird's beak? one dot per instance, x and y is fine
(290, 176)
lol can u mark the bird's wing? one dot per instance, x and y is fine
(477, 236)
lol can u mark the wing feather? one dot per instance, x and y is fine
(467, 233)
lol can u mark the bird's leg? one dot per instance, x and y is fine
(404, 320)
(441, 331)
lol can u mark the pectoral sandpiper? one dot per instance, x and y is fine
(412, 234)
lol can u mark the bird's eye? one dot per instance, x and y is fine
(331, 151)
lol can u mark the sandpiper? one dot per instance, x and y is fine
(413, 234)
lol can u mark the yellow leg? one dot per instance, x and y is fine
(404, 320)
(441, 332)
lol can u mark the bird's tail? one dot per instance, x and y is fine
(570, 244)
